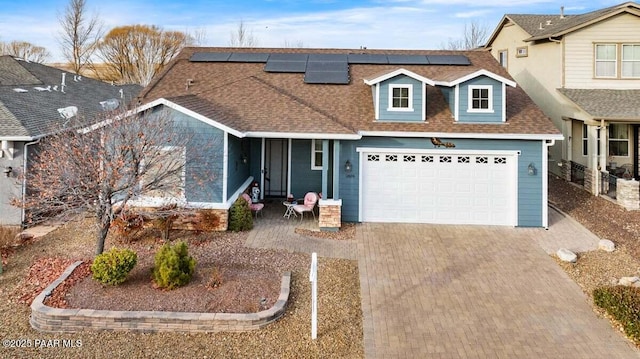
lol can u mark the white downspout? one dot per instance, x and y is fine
(24, 178)
(545, 182)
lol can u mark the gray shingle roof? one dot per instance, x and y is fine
(34, 113)
(536, 25)
(606, 104)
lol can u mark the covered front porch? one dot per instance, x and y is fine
(292, 167)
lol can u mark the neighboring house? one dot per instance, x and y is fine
(384, 135)
(34, 100)
(584, 72)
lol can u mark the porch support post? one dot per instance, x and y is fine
(325, 167)
(591, 184)
(336, 169)
(604, 141)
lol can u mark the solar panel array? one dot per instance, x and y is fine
(325, 68)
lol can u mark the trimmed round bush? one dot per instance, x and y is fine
(173, 266)
(113, 266)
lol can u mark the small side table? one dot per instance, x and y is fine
(289, 211)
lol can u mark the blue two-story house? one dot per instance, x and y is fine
(388, 135)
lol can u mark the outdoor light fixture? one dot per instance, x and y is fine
(244, 159)
(8, 171)
(532, 169)
(348, 167)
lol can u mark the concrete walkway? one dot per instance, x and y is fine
(436, 291)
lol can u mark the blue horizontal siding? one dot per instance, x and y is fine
(203, 173)
(417, 98)
(479, 117)
(303, 178)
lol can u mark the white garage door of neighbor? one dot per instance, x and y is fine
(446, 187)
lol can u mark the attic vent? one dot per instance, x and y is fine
(41, 89)
(20, 90)
(68, 112)
(110, 104)
(548, 22)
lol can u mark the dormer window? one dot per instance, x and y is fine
(480, 99)
(400, 98)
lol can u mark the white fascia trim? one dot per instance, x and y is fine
(494, 136)
(18, 138)
(377, 101)
(186, 111)
(304, 136)
(436, 151)
(397, 72)
(456, 105)
(504, 102)
(481, 72)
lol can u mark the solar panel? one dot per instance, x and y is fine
(368, 59)
(288, 57)
(249, 57)
(327, 66)
(327, 77)
(407, 60)
(448, 60)
(328, 57)
(285, 66)
(210, 57)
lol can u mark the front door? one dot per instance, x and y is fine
(275, 167)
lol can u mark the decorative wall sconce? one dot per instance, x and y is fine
(348, 167)
(8, 170)
(531, 169)
(244, 159)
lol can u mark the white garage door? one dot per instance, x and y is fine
(448, 187)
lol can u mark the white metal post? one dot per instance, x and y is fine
(313, 277)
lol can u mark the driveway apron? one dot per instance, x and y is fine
(437, 291)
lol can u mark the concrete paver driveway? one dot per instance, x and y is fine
(435, 291)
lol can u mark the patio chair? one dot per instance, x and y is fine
(255, 207)
(310, 200)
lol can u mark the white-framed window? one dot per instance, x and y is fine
(480, 98)
(502, 58)
(316, 154)
(606, 60)
(630, 61)
(400, 98)
(522, 51)
(619, 140)
(165, 171)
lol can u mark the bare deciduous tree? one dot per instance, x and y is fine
(25, 50)
(293, 44)
(242, 37)
(475, 36)
(79, 34)
(136, 53)
(100, 170)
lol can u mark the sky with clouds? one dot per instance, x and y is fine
(391, 24)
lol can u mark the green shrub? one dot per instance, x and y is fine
(173, 266)
(622, 303)
(240, 218)
(113, 266)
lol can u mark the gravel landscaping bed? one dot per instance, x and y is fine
(608, 221)
(33, 266)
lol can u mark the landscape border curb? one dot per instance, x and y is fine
(48, 319)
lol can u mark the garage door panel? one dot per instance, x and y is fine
(439, 188)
